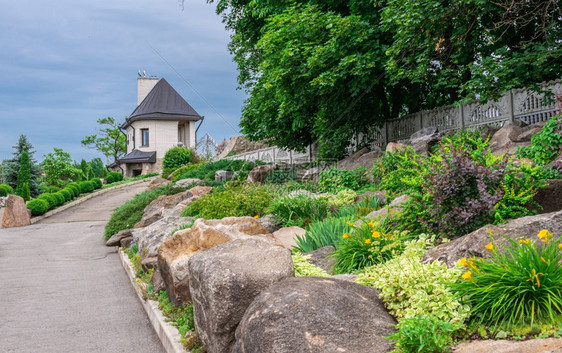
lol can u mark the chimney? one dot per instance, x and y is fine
(144, 86)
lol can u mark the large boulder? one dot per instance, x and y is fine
(362, 158)
(224, 175)
(175, 252)
(156, 183)
(315, 315)
(506, 140)
(184, 183)
(259, 173)
(155, 210)
(286, 236)
(473, 244)
(395, 147)
(15, 213)
(115, 240)
(321, 258)
(550, 197)
(225, 280)
(150, 237)
(423, 140)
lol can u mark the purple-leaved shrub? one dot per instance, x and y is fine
(462, 192)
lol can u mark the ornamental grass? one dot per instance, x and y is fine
(521, 283)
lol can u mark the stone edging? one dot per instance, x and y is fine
(85, 198)
(168, 334)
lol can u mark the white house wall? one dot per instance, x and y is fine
(162, 135)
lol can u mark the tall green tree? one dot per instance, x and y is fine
(97, 167)
(109, 140)
(24, 176)
(10, 167)
(59, 168)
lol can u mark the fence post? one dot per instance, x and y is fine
(385, 133)
(461, 107)
(510, 106)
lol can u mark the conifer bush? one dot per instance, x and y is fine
(86, 187)
(49, 198)
(97, 183)
(59, 198)
(5, 190)
(38, 206)
(68, 195)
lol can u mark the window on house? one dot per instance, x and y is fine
(144, 134)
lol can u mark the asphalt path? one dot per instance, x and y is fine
(63, 290)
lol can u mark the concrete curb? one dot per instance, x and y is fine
(85, 198)
(168, 334)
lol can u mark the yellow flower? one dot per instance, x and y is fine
(535, 276)
(349, 224)
(524, 241)
(345, 235)
(544, 235)
(376, 234)
(256, 216)
(371, 224)
(543, 260)
(490, 246)
(471, 263)
(560, 246)
(462, 262)
(467, 275)
(389, 236)
(367, 241)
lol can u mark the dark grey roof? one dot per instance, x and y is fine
(137, 156)
(163, 103)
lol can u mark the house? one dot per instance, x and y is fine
(162, 120)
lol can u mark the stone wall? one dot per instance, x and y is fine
(239, 144)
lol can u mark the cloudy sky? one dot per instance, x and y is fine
(66, 63)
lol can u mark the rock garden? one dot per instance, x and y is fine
(448, 241)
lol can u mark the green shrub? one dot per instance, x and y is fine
(300, 210)
(25, 192)
(38, 206)
(550, 173)
(113, 177)
(67, 194)
(24, 176)
(71, 191)
(75, 187)
(343, 197)
(323, 233)
(176, 157)
(410, 288)
(50, 198)
(128, 214)
(546, 145)
(96, 182)
(5, 190)
(181, 171)
(206, 171)
(59, 197)
(86, 187)
(423, 334)
(366, 245)
(334, 179)
(520, 283)
(305, 269)
(400, 172)
(235, 201)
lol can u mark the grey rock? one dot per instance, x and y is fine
(549, 197)
(488, 131)
(505, 139)
(395, 147)
(150, 237)
(16, 213)
(391, 210)
(126, 242)
(225, 280)
(268, 222)
(526, 135)
(321, 258)
(115, 239)
(473, 244)
(362, 158)
(149, 262)
(156, 210)
(286, 236)
(346, 277)
(157, 182)
(259, 173)
(423, 133)
(184, 183)
(157, 282)
(223, 175)
(315, 315)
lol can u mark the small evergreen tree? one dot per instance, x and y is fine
(24, 176)
(10, 167)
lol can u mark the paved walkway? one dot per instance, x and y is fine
(63, 290)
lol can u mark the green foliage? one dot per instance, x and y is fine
(334, 180)
(50, 189)
(5, 190)
(305, 269)
(59, 168)
(10, 167)
(323, 233)
(59, 197)
(67, 194)
(96, 182)
(98, 168)
(38, 207)
(400, 172)
(128, 214)
(75, 188)
(299, 210)
(24, 176)
(423, 334)
(176, 157)
(546, 145)
(235, 201)
(113, 177)
(50, 198)
(550, 173)
(521, 283)
(110, 140)
(86, 187)
(182, 319)
(206, 171)
(410, 288)
(370, 243)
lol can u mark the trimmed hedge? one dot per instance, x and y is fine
(113, 177)
(86, 187)
(50, 198)
(5, 190)
(38, 206)
(96, 182)
(75, 188)
(60, 198)
(68, 194)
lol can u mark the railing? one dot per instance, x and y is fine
(517, 104)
